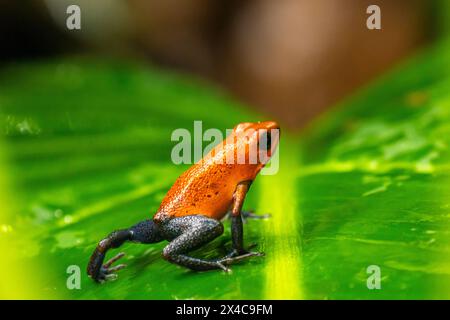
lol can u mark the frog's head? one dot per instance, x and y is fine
(257, 140)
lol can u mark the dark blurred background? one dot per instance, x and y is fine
(289, 58)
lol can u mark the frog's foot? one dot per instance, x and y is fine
(108, 273)
(250, 214)
(235, 252)
(222, 266)
(234, 257)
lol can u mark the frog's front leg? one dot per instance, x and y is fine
(237, 229)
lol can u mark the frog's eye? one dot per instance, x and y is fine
(265, 140)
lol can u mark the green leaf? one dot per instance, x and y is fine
(87, 147)
(374, 188)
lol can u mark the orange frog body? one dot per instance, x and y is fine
(190, 213)
(207, 187)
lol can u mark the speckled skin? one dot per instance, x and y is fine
(189, 215)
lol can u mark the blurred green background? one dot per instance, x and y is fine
(86, 120)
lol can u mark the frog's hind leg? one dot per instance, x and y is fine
(190, 233)
(143, 232)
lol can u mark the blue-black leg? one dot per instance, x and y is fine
(237, 237)
(188, 234)
(143, 232)
(192, 232)
(237, 229)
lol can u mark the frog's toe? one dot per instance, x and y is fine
(250, 214)
(236, 253)
(113, 259)
(111, 277)
(223, 266)
(237, 258)
(108, 273)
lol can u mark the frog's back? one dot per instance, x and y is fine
(207, 187)
(202, 189)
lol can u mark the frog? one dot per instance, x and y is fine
(191, 213)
